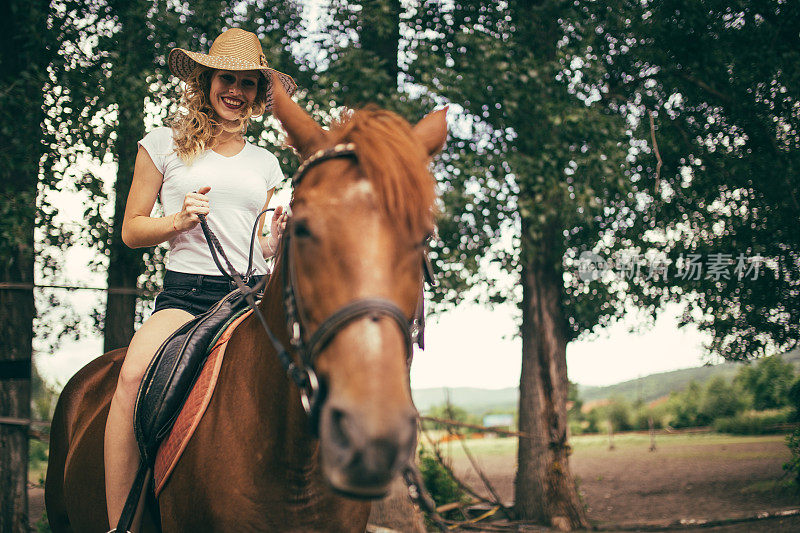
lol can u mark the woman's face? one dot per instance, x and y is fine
(232, 91)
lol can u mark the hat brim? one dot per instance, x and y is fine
(183, 62)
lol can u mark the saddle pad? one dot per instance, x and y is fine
(196, 403)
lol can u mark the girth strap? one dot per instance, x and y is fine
(373, 307)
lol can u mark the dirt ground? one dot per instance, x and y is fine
(689, 477)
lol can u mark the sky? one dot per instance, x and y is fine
(473, 346)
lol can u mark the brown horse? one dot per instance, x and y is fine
(356, 231)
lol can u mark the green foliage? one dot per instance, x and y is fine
(685, 406)
(697, 405)
(793, 398)
(719, 82)
(43, 525)
(37, 460)
(573, 395)
(793, 465)
(656, 386)
(700, 405)
(754, 422)
(642, 416)
(768, 381)
(720, 399)
(525, 159)
(617, 413)
(440, 484)
(43, 397)
(37, 453)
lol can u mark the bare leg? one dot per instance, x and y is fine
(121, 452)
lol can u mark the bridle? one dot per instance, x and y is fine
(301, 370)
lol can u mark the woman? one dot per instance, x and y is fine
(201, 165)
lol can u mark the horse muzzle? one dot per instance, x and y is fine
(361, 455)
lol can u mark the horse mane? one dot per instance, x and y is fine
(395, 162)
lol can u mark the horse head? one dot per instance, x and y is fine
(357, 233)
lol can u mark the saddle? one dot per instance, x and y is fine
(169, 378)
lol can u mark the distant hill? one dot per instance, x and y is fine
(648, 388)
(474, 400)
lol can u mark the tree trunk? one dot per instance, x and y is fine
(16, 336)
(126, 264)
(22, 75)
(545, 490)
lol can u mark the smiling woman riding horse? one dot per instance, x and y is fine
(355, 238)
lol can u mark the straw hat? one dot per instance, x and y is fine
(234, 49)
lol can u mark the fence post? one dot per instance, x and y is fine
(652, 434)
(610, 435)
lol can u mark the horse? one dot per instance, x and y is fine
(258, 461)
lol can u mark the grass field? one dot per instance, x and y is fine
(622, 441)
(688, 476)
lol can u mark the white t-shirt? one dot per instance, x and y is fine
(239, 186)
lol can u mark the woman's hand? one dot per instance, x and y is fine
(194, 204)
(276, 228)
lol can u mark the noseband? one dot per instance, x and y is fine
(308, 348)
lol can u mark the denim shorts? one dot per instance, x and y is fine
(195, 293)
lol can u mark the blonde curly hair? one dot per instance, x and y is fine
(195, 124)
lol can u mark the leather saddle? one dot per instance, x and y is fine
(173, 371)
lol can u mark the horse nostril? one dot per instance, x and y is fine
(381, 456)
(338, 431)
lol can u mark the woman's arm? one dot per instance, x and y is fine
(269, 243)
(139, 229)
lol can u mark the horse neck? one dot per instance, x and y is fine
(294, 442)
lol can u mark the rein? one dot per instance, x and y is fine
(303, 374)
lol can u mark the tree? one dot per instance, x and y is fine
(794, 398)
(131, 59)
(26, 46)
(769, 381)
(720, 197)
(362, 45)
(685, 406)
(531, 160)
(720, 399)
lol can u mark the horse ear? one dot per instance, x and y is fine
(432, 131)
(304, 134)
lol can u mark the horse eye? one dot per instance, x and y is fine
(300, 229)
